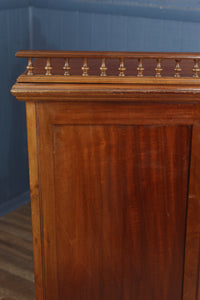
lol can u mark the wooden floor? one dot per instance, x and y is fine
(16, 256)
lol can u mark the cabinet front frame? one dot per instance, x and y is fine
(41, 116)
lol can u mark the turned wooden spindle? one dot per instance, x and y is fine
(196, 68)
(85, 67)
(66, 67)
(48, 67)
(103, 68)
(177, 69)
(29, 66)
(158, 68)
(140, 68)
(121, 68)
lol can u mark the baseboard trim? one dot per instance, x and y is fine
(14, 203)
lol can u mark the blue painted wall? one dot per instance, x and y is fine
(85, 30)
(14, 35)
(141, 25)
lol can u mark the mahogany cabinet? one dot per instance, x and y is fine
(114, 158)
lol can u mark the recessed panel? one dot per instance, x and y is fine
(121, 195)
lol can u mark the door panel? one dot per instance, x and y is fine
(118, 214)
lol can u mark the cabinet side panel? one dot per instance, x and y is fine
(35, 198)
(192, 253)
(120, 210)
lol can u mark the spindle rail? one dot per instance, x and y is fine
(102, 76)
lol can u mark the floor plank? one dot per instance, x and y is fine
(16, 256)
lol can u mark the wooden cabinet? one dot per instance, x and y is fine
(114, 174)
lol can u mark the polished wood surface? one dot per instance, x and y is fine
(105, 92)
(107, 54)
(192, 251)
(114, 170)
(127, 232)
(35, 198)
(16, 256)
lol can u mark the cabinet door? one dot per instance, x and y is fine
(114, 205)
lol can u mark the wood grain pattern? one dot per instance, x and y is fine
(35, 199)
(192, 255)
(119, 113)
(46, 163)
(103, 227)
(120, 199)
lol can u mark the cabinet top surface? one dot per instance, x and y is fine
(57, 71)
